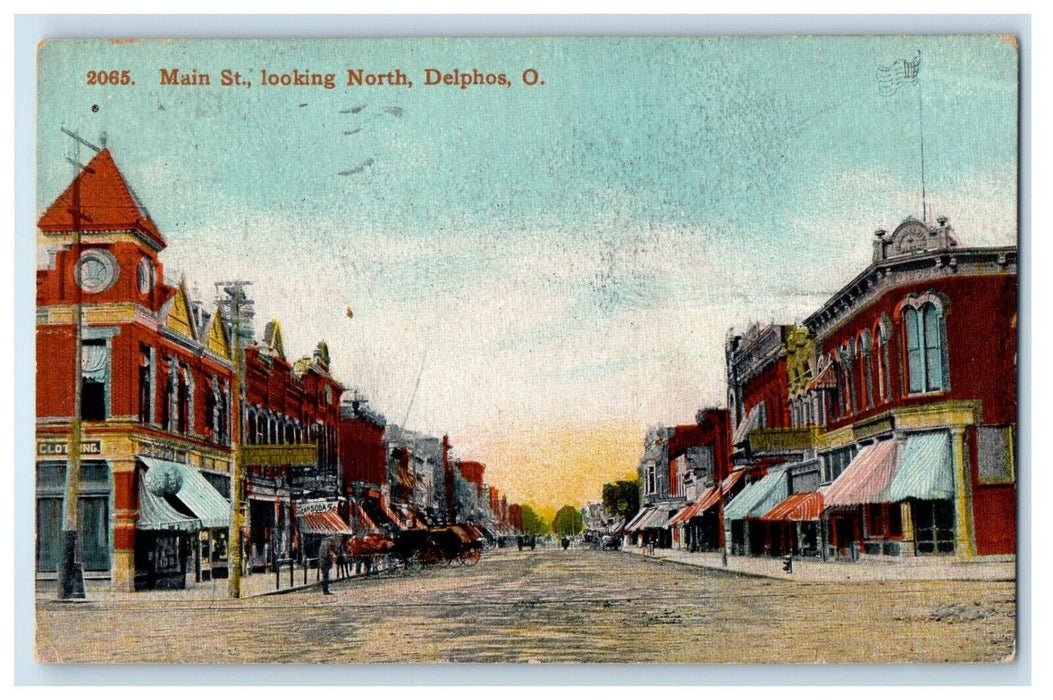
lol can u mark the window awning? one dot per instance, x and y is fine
(325, 522)
(866, 479)
(925, 468)
(199, 496)
(758, 498)
(155, 513)
(798, 507)
(747, 426)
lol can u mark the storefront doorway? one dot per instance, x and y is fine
(933, 527)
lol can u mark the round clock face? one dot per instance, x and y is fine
(96, 270)
(146, 276)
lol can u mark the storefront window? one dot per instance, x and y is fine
(93, 516)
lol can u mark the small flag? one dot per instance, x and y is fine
(890, 78)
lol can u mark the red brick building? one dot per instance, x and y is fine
(157, 396)
(291, 424)
(902, 407)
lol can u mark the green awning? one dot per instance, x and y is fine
(925, 468)
(155, 513)
(196, 493)
(759, 497)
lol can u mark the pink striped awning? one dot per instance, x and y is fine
(798, 507)
(326, 522)
(866, 479)
(692, 509)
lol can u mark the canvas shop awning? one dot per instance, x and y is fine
(324, 522)
(866, 479)
(657, 520)
(194, 492)
(799, 507)
(925, 468)
(156, 514)
(632, 525)
(758, 498)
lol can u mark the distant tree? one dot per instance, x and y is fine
(622, 498)
(533, 523)
(568, 521)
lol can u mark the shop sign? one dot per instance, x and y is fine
(88, 447)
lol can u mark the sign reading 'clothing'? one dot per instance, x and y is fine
(89, 447)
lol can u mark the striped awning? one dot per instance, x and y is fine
(748, 425)
(203, 500)
(659, 517)
(631, 526)
(866, 479)
(731, 479)
(925, 468)
(694, 509)
(155, 513)
(798, 507)
(360, 518)
(758, 498)
(325, 522)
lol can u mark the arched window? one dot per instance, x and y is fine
(212, 412)
(879, 347)
(863, 345)
(145, 389)
(923, 330)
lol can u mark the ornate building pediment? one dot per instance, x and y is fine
(913, 237)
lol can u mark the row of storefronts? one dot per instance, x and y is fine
(882, 426)
(166, 416)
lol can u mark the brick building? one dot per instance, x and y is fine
(157, 395)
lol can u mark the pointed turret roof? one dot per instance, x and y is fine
(107, 203)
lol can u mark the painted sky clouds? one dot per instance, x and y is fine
(557, 257)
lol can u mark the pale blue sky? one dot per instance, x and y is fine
(571, 252)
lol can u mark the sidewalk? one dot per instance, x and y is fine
(1001, 568)
(254, 585)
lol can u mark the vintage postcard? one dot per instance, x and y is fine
(661, 350)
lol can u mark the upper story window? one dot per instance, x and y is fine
(881, 338)
(924, 334)
(864, 347)
(94, 367)
(96, 270)
(650, 485)
(145, 384)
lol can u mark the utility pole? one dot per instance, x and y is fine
(71, 575)
(237, 486)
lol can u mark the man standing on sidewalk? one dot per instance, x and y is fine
(326, 557)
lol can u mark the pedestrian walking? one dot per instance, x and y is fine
(326, 557)
(341, 561)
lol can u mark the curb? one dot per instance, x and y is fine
(782, 577)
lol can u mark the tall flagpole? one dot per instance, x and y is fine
(921, 138)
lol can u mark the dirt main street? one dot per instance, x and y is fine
(549, 606)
